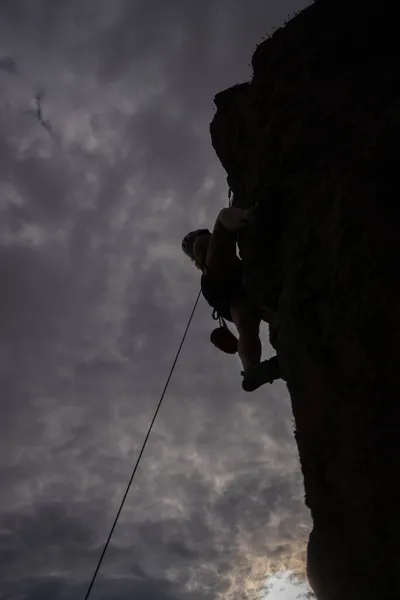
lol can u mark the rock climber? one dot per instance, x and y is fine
(214, 254)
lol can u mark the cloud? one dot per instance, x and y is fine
(96, 296)
(8, 65)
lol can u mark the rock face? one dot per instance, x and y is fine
(313, 140)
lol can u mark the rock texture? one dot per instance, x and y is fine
(313, 140)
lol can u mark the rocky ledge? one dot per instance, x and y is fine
(312, 140)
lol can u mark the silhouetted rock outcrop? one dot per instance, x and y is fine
(313, 139)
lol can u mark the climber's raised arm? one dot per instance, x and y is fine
(221, 251)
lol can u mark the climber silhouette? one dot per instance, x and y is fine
(214, 254)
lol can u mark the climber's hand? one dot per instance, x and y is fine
(233, 218)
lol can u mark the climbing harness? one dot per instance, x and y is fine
(217, 317)
(141, 452)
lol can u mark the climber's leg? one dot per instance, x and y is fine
(248, 326)
(255, 373)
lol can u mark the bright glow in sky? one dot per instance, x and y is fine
(282, 587)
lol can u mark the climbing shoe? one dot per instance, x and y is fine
(264, 372)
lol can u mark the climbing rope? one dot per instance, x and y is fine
(140, 453)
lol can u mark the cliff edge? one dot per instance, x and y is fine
(312, 140)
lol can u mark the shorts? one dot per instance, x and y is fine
(221, 293)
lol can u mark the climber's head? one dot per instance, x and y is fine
(195, 246)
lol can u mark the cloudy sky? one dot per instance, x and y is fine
(95, 298)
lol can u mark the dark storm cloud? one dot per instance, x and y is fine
(8, 64)
(95, 297)
(54, 588)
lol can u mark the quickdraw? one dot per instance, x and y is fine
(217, 317)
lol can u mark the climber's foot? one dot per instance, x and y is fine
(264, 372)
